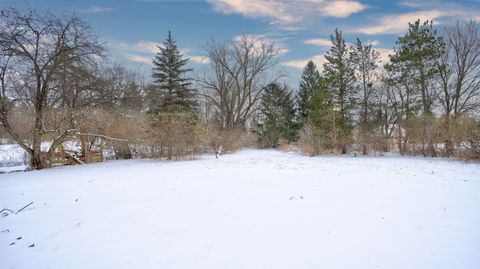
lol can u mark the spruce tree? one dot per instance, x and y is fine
(321, 118)
(277, 116)
(173, 89)
(339, 72)
(310, 80)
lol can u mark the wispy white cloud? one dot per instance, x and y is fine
(398, 23)
(374, 42)
(298, 64)
(259, 39)
(140, 46)
(96, 10)
(412, 4)
(146, 46)
(322, 42)
(342, 9)
(319, 60)
(144, 51)
(199, 59)
(288, 11)
(140, 59)
(276, 10)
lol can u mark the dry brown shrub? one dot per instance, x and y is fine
(117, 126)
(469, 147)
(286, 146)
(309, 143)
(230, 140)
(174, 136)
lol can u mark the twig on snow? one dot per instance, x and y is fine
(24, 207)
(5, 211)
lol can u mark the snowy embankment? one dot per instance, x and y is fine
(12, 157)
(252, 209)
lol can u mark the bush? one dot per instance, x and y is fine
(175, 136)
(229, 140)
(471, 145)
(114, 124)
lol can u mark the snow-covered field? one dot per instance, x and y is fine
(251, 209)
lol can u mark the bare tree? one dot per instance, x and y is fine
(404, 102)
(459, 75)
(386, 116)
(40, 45)
(365, 59)
(239, 70)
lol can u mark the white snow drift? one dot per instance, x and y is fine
(252, 209)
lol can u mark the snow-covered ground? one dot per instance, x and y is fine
(13, 158)
(11, 155)
(251, 209)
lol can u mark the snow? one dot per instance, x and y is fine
(251, 209)
(14, 158)
(11, 155)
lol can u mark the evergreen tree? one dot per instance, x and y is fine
(321, 118)
(419, 51)
(339, 72)
(310, 80)
(277, 116)
(172, 91)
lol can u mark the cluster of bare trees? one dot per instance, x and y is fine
(39, 55)
(435, 102)
(459, 78)
(232, 86)
(52, 79)
(239, 70)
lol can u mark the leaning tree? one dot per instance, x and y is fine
(35, 49)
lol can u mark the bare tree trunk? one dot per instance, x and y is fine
(430, 151)
(400, 141)
(37, 160)
(169, 152)
(449, 145)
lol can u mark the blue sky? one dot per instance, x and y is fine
(301, 28)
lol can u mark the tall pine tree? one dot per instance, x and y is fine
(309, 82)
(173, 89)
(419, 51)
(277, 116)
(339, 72)
(321, 118)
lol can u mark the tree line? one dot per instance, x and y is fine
(57, 85)
(424, 100)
